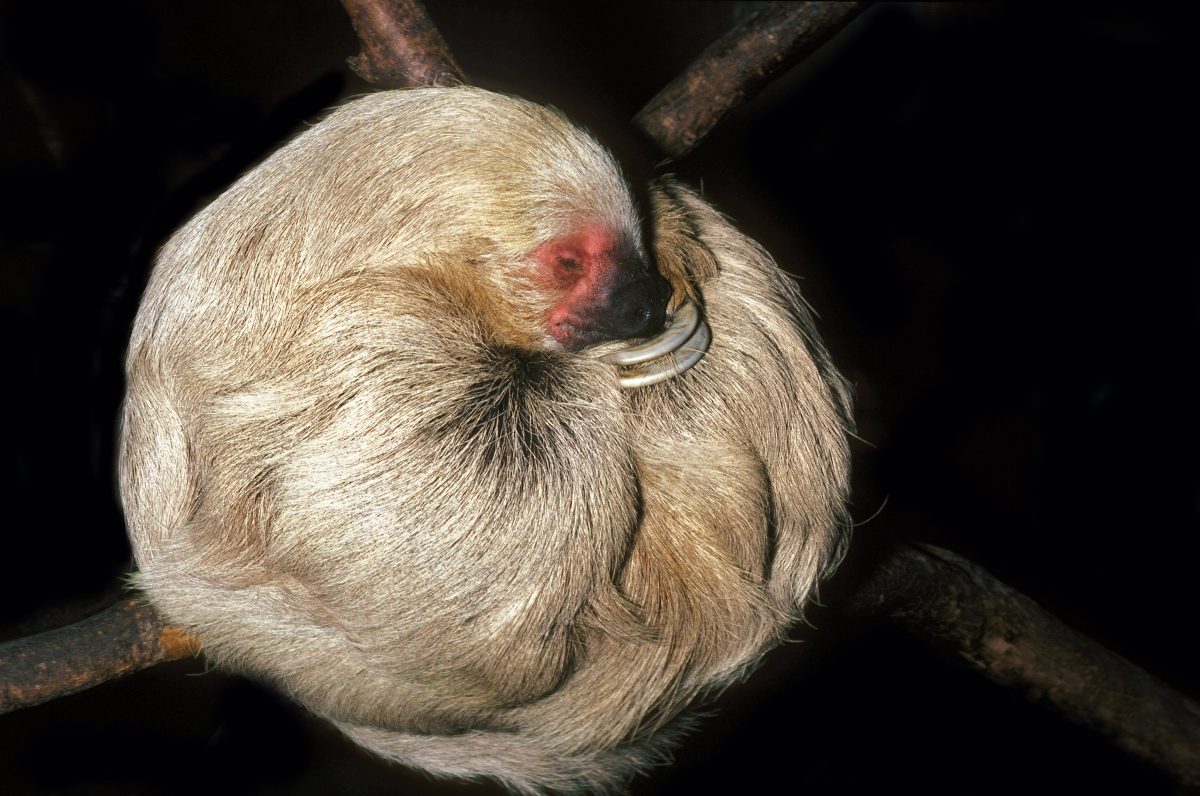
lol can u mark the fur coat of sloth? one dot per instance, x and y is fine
(368, 454)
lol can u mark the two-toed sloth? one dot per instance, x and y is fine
(370, 453)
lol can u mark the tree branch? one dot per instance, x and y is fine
(734, 67)
(123, 639)
(947, 600)
(938, 596)
(401, 47)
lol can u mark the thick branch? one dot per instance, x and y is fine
(936, 594)
(401, 47)
(945, 598)
(126, 638)
(735, 67)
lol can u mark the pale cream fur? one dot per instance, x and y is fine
(355, 465)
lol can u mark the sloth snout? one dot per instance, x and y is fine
(637, 308)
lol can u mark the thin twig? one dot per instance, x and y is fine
(948, 600)
(123, 639)
(401, 47)
(734, 67)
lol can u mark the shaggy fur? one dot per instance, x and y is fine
(356, 466)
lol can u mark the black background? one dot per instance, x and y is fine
(984, 204)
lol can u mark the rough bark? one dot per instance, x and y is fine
(950, 601)
(401, 47)
(734, 67)
(123, 639)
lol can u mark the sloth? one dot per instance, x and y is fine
(427, 429)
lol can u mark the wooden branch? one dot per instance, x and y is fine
(735, 67)
(401, 47)
(946, 599)
(126, 638)
(937, 595)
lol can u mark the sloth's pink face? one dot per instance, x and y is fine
(603, 288)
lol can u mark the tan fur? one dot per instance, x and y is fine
(356, 467)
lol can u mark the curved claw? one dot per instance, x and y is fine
(680, 346)
(674, 336)
(672, 364)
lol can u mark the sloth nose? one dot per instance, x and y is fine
(638, 308)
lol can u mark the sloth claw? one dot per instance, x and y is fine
(681, 345)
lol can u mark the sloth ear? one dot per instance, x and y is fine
(681, 255)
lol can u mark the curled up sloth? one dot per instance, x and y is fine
(426, 428)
